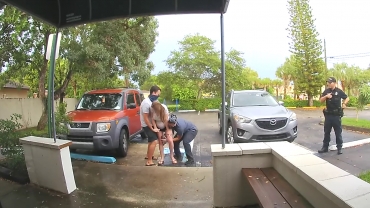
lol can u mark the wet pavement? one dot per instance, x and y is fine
(128, 183)
(103, 185)
(354, 160)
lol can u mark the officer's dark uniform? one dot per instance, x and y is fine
(333, 118)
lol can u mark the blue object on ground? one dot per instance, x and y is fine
(95, 158)
(167, 150)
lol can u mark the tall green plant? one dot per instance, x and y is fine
(363, 99)
(9, 143)
(61, 119)
(306, 48)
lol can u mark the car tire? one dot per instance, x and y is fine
(143, 135)
(123, 143)
(229, 125)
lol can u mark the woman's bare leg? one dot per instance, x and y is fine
(169, 137)
(161, 148)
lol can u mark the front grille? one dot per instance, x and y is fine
(270, 137)
(80, 125)
(271, 123)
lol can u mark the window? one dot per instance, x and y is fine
(242, 99)
(130, 99)
(137, 97)
(100, 101)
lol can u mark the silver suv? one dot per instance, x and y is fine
(256, 116)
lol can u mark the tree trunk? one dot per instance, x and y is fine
(357, 114)
(349, 91)
(75, 88)
(199, 94)
(42, 79)
(310, 100)
(343, 85)
(277, 93)
(285, 86)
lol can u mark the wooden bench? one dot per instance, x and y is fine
(272, 190)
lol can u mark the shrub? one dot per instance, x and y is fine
(353, 101)
(9, 143)
(301, 103)
(61, 119)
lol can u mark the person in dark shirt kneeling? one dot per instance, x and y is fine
(185, 132)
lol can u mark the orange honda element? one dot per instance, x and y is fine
(106, 120)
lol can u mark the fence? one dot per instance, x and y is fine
(29, 108)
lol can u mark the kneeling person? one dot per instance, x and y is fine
(185, 132)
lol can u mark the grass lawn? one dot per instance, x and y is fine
(365, 176)
(362, 123)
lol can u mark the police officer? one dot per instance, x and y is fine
(333, 113)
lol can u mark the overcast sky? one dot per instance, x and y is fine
(258, 29)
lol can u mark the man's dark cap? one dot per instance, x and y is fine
(331, 79)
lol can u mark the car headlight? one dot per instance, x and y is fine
(293, 117)
(242, 119)
(102, 127)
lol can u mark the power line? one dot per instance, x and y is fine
(351, 55)
(347, 57)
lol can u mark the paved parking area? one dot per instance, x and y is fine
(310, 135)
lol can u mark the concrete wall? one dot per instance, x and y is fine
(29, 108)
(13, 93)
(321, 183)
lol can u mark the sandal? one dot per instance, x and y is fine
(174, 161)
(150, 164)
(153, 158)
(160, 162)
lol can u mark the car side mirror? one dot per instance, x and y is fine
(281, 103)
(131, 105)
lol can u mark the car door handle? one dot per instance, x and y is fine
(138, 112)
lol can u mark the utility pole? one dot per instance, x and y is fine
(326, 63)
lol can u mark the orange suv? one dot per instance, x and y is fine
(106, 120)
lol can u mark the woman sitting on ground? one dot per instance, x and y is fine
(160, 121)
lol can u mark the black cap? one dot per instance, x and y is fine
(331, 79)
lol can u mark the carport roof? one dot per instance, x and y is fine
(66, 13)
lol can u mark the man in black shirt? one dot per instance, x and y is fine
(333, 113)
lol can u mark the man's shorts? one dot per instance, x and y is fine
(152, 136)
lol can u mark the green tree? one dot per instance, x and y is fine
(276, 84)
(197, 60)
(287, 73)
(90, 53)
(306, 48)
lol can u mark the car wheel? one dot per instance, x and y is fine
(143, 135)
(219, 125)
(123, 144)
(230, 134)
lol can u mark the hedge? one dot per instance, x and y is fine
(301, 103)
(198, 105)
(214, 103)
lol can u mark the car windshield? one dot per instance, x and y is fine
(253, 99)
(104, 101)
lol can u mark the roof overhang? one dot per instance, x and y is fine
(67, 13)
